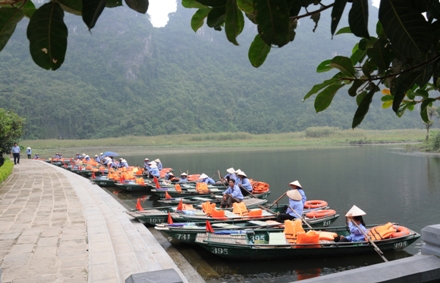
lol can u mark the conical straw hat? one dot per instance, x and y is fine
(355, 211)
(294, 194)
(296, 183)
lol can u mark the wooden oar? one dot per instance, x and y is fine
(277, 200)
(266, 208)
(247, 192)
(376, 248)
(300, 217)
(221, 178)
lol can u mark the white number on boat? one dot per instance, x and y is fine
(155, 220)
(220, 251)
(183, 236)
(326, 223)
(400, 245)
(257, 238)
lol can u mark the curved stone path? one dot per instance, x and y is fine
(56, 226)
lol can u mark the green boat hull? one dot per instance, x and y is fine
(187, 234)
(247, 247)
(103, 182)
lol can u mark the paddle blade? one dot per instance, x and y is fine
(170, 219)
(138, 205)
(167, 195)
(93, 175)
(209, 227)
(180, 205)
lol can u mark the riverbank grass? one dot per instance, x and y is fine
(311, 138)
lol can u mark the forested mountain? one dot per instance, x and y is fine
(128, 78)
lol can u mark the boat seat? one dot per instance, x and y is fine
(230, 214)
(219, 224)
(264, 223)
(277, 239)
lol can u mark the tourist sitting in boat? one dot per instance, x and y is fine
(123, 163)
(57, 155)
(97, 159)
(154, 172)
(158, 164)
(294, 209)
(357, 229)
(297, 186)
(183, 178)
(87, 157)
(203, 178)
(170, 177)
(36, 156)
(78, 156)
(231, 195)
(243, 182)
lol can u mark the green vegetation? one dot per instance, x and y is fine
(6, 170)
(11, 130)
(173, 81)
(220, 142)
(128, 78)
(403, 55)
(318, 132)
(428, 145)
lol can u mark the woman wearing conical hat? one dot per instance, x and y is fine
(295, 207)
(203, 178)
(243, 182)
(297, 186)
(230, 175)
(356, 235)
(183, 178)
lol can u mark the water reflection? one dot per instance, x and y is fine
(389, 184)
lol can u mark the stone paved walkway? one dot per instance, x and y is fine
(56, 226)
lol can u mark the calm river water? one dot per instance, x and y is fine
(385, 182)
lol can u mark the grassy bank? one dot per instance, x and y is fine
(311, 138)
(6, 170)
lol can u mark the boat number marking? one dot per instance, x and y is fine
(220, 251)
(155, 220)
(326, 223)
(400, 245)
(183, 236)
(257, 238)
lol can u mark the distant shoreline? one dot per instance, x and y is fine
(223, 142)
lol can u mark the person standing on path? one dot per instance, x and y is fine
(15, 151)
(29, 152)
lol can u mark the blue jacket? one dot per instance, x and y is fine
(207, 181)
(183, 180)
(296, 205)
(245, 183)
(235, 192)
(154, 172)
(356, 234)
(304, 198)
(231, 176)
(159, 166)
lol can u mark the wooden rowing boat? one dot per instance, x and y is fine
(187, 231)
(253, 245)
